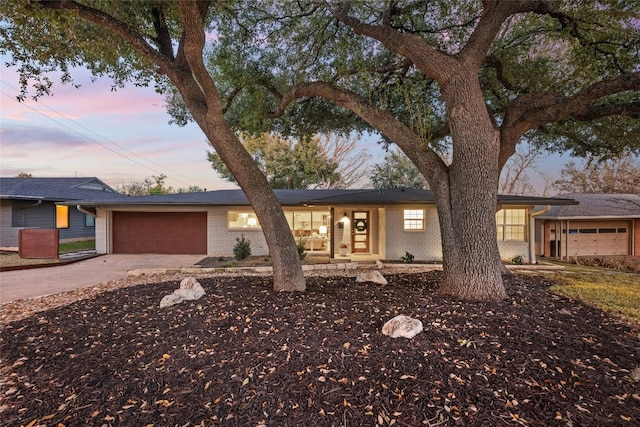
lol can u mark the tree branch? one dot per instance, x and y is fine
(95, 16)
(403, 136)
(433, 63)
(163, 37)
(534, 110)
(495, 63)
(191, 49)
(494, 14)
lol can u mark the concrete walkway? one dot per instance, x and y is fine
(37, 282)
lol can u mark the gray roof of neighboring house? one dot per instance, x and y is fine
(56, 189)
(306, 197)
(593, 206)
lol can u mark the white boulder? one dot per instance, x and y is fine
(402, 326)
(171, 299)
(371, 276)
(190, 289)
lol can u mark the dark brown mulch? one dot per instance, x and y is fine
(246, 356)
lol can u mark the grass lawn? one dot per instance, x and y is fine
(77, 246)
(610, 290)
(11, 259)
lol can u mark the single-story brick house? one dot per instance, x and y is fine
(31, 203)
(600, 225)
(378, 224)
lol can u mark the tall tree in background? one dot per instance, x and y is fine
(142, 42)
(621, 175)
(322, 161)
(286, 163)
(352, 161)
(515, 178)
(468, 76)
(396, 171)
(155, 184)
(150, 185)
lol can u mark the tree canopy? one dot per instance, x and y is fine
(617, 175)
(144, 42)
(396, 171)
(468, 79)
(286, 163)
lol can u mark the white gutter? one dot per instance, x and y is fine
(84, 211)
(38, 203)
(532, 233)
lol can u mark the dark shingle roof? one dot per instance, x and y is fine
(307, 197)
(597, 205)
(56, 189)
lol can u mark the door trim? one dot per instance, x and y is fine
(361, 227)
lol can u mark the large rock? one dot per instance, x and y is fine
(402, 326)
(371, 276)
(190, 289)
(171, 299)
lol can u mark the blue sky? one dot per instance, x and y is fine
(119, 136)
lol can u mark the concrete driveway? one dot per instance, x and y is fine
(37, 282)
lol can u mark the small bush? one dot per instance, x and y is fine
(300, 246)
(408, 258)
(518, 260)
(242, 249)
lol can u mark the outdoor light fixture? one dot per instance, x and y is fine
(345, 218)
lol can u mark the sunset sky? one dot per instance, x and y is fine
(118, 136)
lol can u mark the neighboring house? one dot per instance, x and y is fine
(31, 203)
(601, 225)
(373, 224)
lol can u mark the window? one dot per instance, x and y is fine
(511, 224)
(414, 219)
(62, 216)
(238, 219)
(89, 221)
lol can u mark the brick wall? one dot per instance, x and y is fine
(38, 243)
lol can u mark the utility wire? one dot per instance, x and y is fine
(100, 136)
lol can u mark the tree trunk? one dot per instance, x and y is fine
(287, 269)
(467, 199)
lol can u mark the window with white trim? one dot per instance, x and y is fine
(511, 225)
(413, 219)
(243, 219)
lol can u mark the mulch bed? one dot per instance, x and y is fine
(246, 356)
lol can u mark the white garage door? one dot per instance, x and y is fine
(598, 238)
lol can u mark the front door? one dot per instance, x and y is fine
(360, 232)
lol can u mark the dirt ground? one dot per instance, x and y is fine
(244, 355)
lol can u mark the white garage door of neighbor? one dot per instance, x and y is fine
(598, 238)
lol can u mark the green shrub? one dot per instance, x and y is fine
(408, 258)
(300, 246)
(242, 249)
(518, 260)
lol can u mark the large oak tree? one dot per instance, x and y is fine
(142, 42)
(468, 78)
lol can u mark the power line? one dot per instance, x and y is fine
(100, 136)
